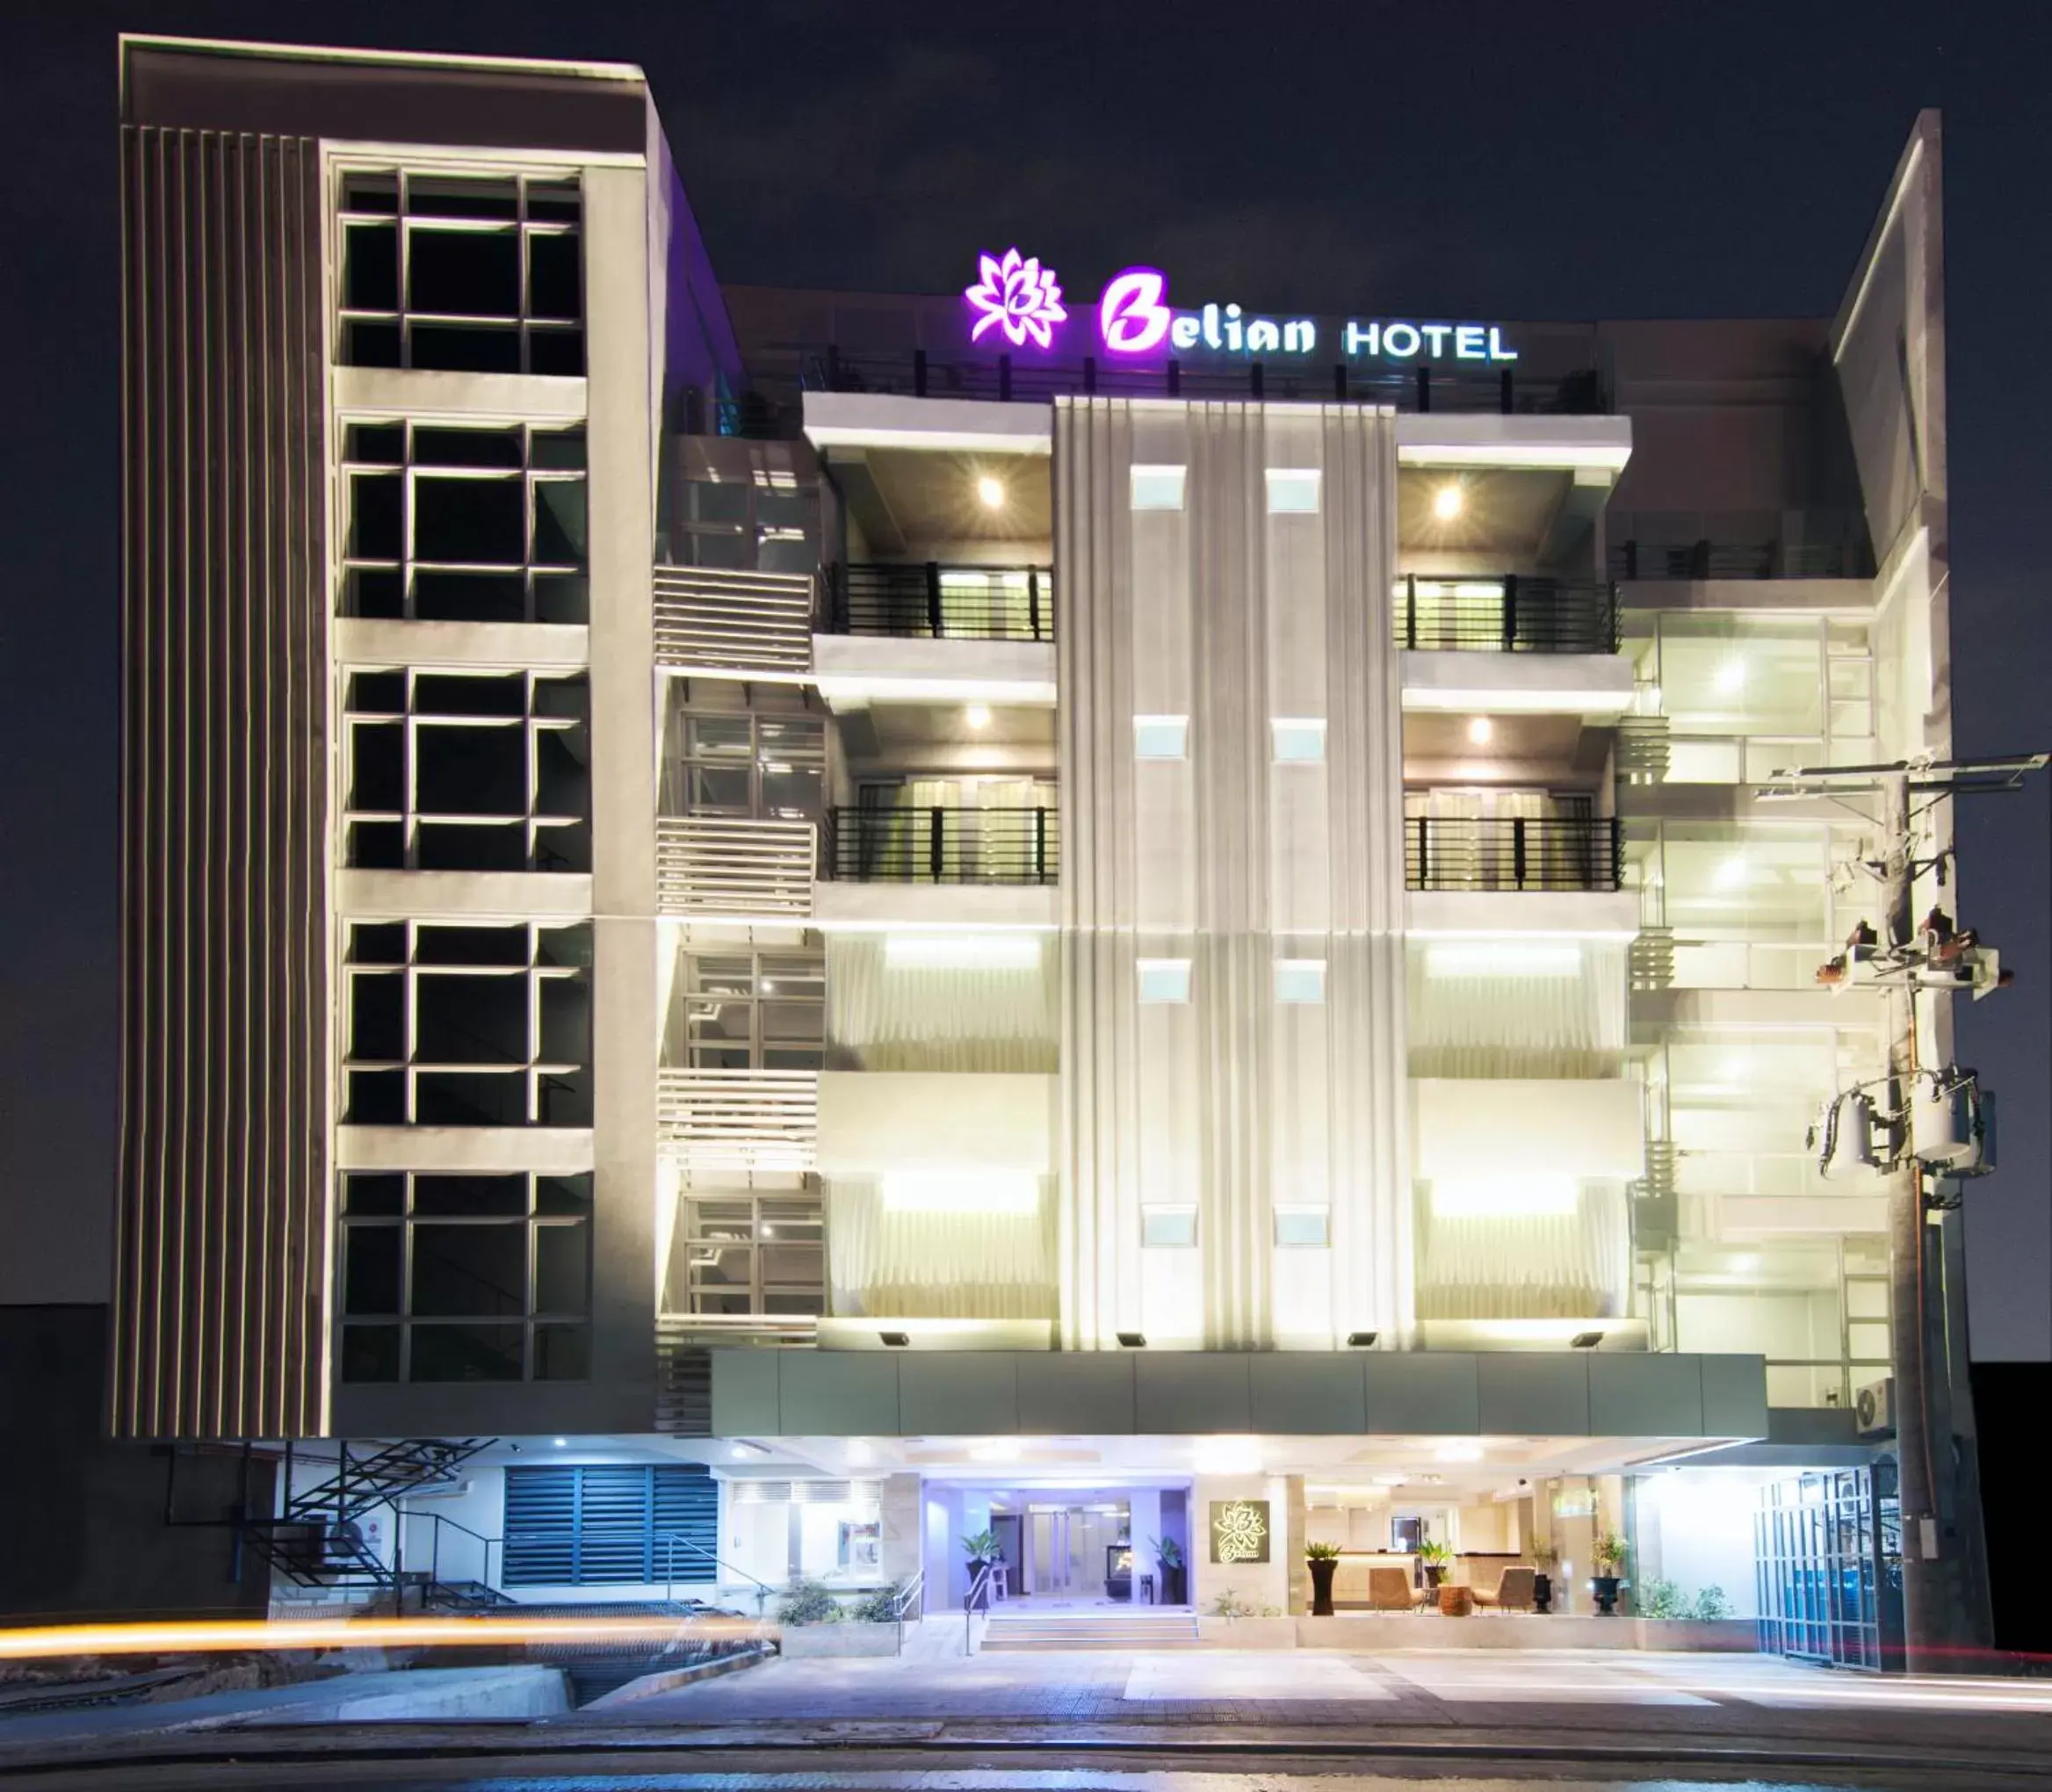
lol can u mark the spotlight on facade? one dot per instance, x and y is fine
(1586, 1340)
(1133, 1341)
(1447, 502)
(1362, 1341)
(896, 1340)
(990, 492)
(1480, 728)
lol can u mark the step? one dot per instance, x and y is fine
(1086, 1630)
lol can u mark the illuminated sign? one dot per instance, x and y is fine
(1239, 1530)
(1019, 298)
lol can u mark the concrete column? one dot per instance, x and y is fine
(901, 1515)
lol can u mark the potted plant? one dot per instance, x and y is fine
(983, 1549)
(1435, 1559)
(1168, 1557)
(1324, 1561)
(1545, 1559)
(1610, 1556)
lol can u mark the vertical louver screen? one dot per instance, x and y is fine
(607, 1526)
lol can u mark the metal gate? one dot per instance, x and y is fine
(1828, 1555)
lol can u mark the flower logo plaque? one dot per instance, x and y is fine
(1017, 296)
(1239, 1530)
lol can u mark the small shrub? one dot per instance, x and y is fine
(1321, 1552)
(808, 1602)
(879, 1606)
(1711, 1604)
(1658, 1598)
(1230, 1605)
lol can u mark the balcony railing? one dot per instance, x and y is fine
(1511, 853)
(1511, 614)
(941, 846)
(1823, 544)
(935, 602)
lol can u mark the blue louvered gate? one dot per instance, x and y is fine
(605, 1525)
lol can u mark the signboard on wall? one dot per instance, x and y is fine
(1239, 1530)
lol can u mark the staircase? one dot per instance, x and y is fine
(1107, 1627)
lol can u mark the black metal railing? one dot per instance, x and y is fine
(941, 846)
(936, 602)
(1511, 853)
(1511, 614)
(1741, 559)
(1579, 393)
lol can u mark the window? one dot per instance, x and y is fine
(1293, 491)
(465, 524)
(1300, 980)
(753, 519)
(1301, 1226)
(1157, 488)
(1298, 740)
(467, 1026)
(748, 1252)
(477, 276)
(625, 1524)
(467, 772)
(1168, 1228)
(466, 1278)
(737, 762)
(1164, 979)
(1161, 737)
(747, 1011)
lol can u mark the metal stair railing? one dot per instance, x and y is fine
(401, 1467)
(672, 1541)
(980, 1585)
(911, 1594)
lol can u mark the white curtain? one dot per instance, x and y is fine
(1482, 1008)
(1571, 1266)
(916, 1017)
(937, 1266)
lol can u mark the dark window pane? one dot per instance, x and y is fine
(377, 846)
(378, 943)
(471, 945)
(562, 697)
(469, 520)
(562, 1353)
(557, 450)
(563, 1270)
(773, 1302)
(376, 693)
(376, 1098)
(560, 531)
(377, 1016)
(471, 1020)
(562, 1194)
(444, 447)
(469, 598)
(452, 847)
(370, 1276)
(563, 848)
(448, 694)
(369, 1353)
(376, 445)
(370, 192)
(451, 196)
(562, 597)
(554, 288)
(466, 348)
(562, 772)
(471, 1197)
(459, 770)
(369, 344)
(464, 1270)
(366, 1193)
(371, 591)
(555, 202)
(376, 517)
(470, 1098)
(370, 267)
(465, 1353)
(377, 767)
(563, 945)
(565, 1098)
(566, 1021)
(557, 351)
(464, 273)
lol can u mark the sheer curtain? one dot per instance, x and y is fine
(999, 1016)
(1573, 1266)
(937, 1266)
(1494, 1009)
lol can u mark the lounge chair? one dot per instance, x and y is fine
(1514, 1590)
(1389, 1590)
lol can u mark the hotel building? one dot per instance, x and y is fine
(765, 930)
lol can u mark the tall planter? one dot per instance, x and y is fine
(1321, 1586)
(1173, 1588)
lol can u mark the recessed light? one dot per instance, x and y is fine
(1480, 729)
(976, 715)
(1446, 503)
(991, 492)
(561, 1441)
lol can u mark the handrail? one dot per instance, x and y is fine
(912, 1592)
(1507, 613)
(941, 845)
(671, 1539)
(980, 1582)
(438, 1519)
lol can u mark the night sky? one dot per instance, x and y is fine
(1515, 161)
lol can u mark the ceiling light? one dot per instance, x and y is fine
(991, 492)
(1505, 1197)
(1480, 728)
(1385, 1480)
(976, 715)
(561, 1441)
(1460, 1449)
(1731, 677)
(1446, 503)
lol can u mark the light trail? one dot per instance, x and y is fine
(361, 1633)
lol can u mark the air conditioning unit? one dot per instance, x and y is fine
(1873, 1408)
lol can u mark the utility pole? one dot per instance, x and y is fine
(1945, 1614)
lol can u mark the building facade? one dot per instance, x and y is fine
(845, 921)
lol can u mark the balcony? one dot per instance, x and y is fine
(932, 602)
(1711, 544)
(1508, 614)
(1556, 854)
(710, 620)
(941, 846)
(740, 1119)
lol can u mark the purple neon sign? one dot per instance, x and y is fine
(1132, 316)
(1017, 296)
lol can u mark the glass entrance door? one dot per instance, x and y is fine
(1071, 1549)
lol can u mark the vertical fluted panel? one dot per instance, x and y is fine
(219, 1302)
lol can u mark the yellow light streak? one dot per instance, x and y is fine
(360, 1633)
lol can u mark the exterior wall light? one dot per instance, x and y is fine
(1447, 502)
(990, 492)
(896, 1340)
(1586, 1340)
(1362, 1341)
(1480, 729)
(1133, 1341)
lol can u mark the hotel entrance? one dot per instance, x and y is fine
(1077, 1552)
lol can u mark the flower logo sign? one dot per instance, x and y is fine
(1239, 1530)
(1017, 296)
